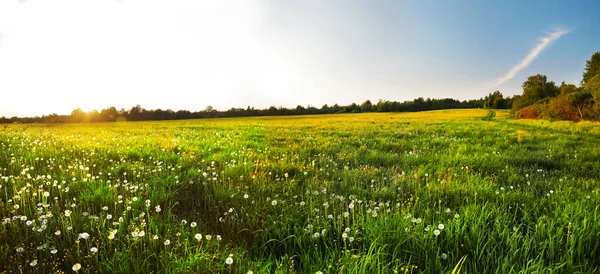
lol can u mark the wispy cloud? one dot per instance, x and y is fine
(534, 53)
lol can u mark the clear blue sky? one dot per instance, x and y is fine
(58, 55)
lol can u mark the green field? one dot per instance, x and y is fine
(347, 193)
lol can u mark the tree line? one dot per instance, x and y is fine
(138, 113)
(542, 98)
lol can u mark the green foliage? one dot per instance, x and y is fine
(542, 99)
(591, 70)
(349, 193)
(593, 85)
(535, 88)
(496, 101)
(582, 101)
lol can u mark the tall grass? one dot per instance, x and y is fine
(427, 192)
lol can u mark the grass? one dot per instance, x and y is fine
(347, 193)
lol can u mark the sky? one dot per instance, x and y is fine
(59, 55)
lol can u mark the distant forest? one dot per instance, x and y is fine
(541, 98)
(138, 113)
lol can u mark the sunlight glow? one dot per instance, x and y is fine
(138, 52)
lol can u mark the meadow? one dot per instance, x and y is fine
(422, 192)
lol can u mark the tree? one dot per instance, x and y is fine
(535, 88)
(366, 106)
(567, 88)
(495, 100)
(78, 116)
(592, 68)
(582, 101)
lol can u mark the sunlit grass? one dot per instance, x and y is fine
(354, 193)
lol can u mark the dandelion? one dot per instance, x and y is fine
(208, 237)
(33, 263)
(316, 235)
(67, 213)
(444, 256)
(141, 233)
(157, 208)
(198, 237)
(441, 226)
(83, 235)
(167, 242)
(111, 236)
(104, 208)
(351, 239)
(344, 235)
(346, 214)
(229, 260)
(274, 202)
(246, 196)
(108, 217)
(20, 249)
(76, 267)
(46, 194)
(318, 272)
(53, 251)
(94, 249)
(436, 232)
(302, 203)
